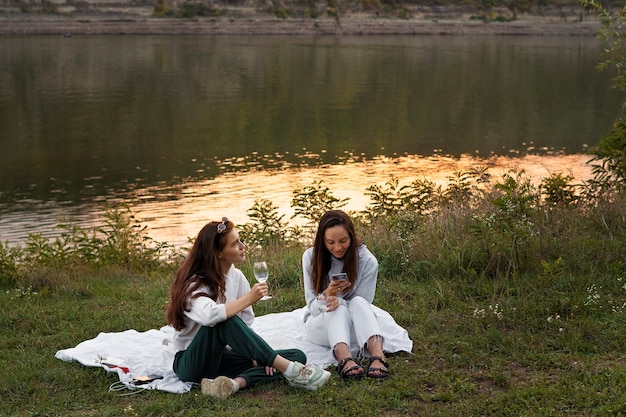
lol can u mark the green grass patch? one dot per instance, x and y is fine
(480, 348)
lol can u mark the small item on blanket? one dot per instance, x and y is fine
(113, 363)
(111, 366)
(145, 379)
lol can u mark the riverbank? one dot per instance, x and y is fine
(239, 22)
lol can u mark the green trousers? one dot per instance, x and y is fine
(209, 357)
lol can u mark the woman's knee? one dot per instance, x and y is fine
(358, 303)
(341, 310)
(233, 322)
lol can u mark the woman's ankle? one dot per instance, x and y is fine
(240, 382)
(374, 346)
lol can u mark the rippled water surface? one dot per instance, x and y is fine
(188, 129)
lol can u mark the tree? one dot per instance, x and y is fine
(609, 161)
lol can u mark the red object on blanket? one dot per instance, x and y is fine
(123, 368)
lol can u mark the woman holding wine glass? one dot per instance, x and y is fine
(261, 273)
(210, 308)
(340, 276)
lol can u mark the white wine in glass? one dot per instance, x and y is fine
(261, 274)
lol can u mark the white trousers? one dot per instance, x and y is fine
(357, 323)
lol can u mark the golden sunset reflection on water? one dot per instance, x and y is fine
(233, 194)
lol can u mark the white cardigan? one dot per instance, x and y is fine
(365, 285)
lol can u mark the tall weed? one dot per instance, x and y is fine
(120, 243)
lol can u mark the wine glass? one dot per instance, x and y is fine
(261, 273)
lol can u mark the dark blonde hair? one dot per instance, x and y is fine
(320, 264)
(200, 268)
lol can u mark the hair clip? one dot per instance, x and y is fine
(222, 226)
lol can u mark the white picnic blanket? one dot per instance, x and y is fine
(131, 353)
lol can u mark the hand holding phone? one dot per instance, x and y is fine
(342, 276)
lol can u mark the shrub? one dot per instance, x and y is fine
(121, 242)
(609, 162)
(312, 201)
(558, 189)
(267, 225)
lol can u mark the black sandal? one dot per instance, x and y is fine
(380, 372)
(345, 373)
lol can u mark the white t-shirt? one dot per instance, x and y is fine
(206, 312)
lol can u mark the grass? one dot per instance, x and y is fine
(516, 307)
(472, 356)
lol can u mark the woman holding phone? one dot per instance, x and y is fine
(339, 284)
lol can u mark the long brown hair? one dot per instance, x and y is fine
(320, 264)
(200, 268)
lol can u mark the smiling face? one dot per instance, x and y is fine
(234, 251)
(337, 240)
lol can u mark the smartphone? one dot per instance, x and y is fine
(146, 379)
(341, 276)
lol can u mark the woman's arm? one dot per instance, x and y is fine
(237, 286)
(234, 307)
(239, 299)
(310, 293)
(367, 275)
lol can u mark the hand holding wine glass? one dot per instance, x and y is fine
(261, 274)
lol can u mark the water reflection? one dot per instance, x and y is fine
(174, 213)
(88, 117)
(191, 128)
(233, 194)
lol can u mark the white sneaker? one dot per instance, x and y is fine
(220, 387)
(306, 377)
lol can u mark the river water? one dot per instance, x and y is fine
(187, 129)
